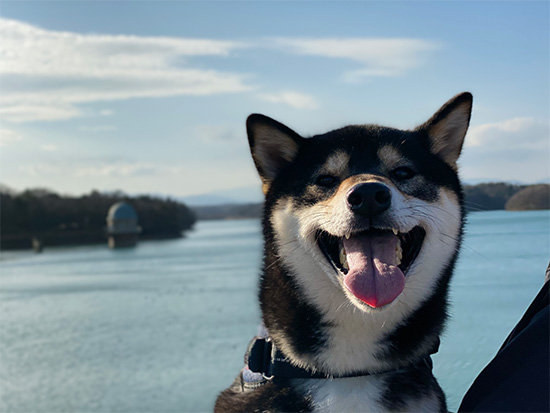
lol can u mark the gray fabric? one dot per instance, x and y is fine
(249, 377)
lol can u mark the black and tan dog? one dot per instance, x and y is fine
(362, 227)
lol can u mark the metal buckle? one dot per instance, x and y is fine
(267, 378)
(268, 349)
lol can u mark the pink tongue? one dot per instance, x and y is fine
(373, 275)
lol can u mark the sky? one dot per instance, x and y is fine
(152, 97)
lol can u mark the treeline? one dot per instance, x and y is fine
(489, 196)
(229, 211)
(481, 197)
(501, 195)
(63, 220)
(532, 197)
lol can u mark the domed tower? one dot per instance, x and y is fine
(122, 225)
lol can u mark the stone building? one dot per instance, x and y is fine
(122, 225)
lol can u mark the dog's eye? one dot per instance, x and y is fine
(326, 180)
(403, 173)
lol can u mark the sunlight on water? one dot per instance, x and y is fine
(163, 327)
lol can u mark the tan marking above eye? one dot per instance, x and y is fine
(336, 164)
(390, 156)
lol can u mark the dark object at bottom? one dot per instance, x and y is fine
(517, 379)
(37, 245)
(122, 240)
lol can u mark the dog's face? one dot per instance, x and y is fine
(375, 210)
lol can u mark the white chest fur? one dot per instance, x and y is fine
(359, 394)
(354, 394)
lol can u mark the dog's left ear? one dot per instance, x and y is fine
(273, 146)
(447, 128)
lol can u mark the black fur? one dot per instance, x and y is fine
(274, 396)
(284, 308)
(362, 142)
(412, 384)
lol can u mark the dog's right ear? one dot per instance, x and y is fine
(273, 146)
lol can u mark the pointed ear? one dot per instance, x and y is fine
(447, 128)
(273, 146)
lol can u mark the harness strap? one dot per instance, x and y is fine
(264, 358)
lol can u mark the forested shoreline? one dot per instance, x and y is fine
(53, 219)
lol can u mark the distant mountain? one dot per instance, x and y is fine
(489, 196)
(228, 211)
(206, 200)
(532, 197)
(241, 195)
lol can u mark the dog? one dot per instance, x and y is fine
(362, 227)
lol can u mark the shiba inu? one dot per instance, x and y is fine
(362, 226)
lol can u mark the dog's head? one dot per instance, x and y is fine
(375, 210)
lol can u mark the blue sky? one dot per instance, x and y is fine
(151, 97)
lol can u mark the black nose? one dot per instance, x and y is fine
(369, 199)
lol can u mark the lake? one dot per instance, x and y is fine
(164, 326)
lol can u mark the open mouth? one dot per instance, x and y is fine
(373, 262)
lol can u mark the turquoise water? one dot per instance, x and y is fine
(163, 327)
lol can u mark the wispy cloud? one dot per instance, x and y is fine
(125, 169)
(49, 147)
(516, 149)
(220, 133)
(118, 169)
(35, 107)
(8, 136)
(46, 73)
(291, 98)
(524, 132)
(97, 128)
(376, 56)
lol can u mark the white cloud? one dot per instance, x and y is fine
(27, 49)
(118, 169)
(377, 56)
(97, 128)
(46, 73)
(21, 111)
(220, 133)
(293, 99)
(49, 148)
(8, 136)
(524, 132)
(516, 149)
(133, 176)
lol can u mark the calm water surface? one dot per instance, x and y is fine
(163, 327)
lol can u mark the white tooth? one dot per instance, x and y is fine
(345, 265)
(398, 253)
(395, 231)
(347, 235)
(343, 259)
